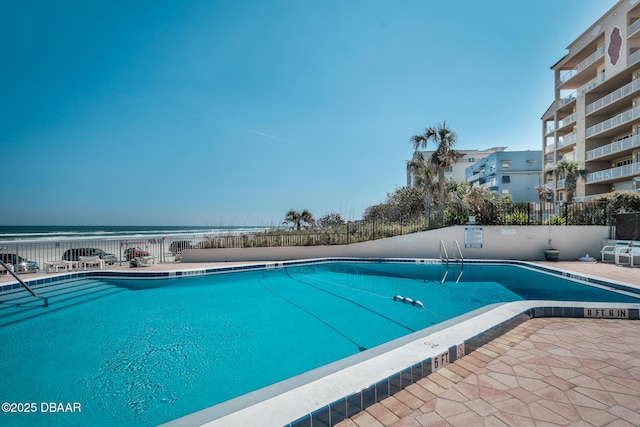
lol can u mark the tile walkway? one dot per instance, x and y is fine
(545, 372)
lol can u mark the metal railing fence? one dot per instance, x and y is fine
(169, 248)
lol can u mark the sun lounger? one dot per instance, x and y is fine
(4, 270)
(55, 266)
(90, 261)
(626, 255)
(144, 261)
(609, 251)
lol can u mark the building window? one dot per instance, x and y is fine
(505, 164)
(506, 179)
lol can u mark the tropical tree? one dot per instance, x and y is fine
(424, 177)
(297, 219)
(442, 158)
(571, 170)
(330, 220)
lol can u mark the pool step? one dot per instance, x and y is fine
(21, 305)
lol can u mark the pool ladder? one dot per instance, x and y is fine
(444, 257)
(10, 270)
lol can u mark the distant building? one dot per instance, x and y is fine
(594, 118)
(509, 173)
(457, 171)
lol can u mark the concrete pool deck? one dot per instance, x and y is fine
(545, 371)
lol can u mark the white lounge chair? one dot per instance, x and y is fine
(626, 255)
(145, 261)
(55, 266)
(610, 250)
(90, 261)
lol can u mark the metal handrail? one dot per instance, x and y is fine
(10, 270)
(441, 250)
(457, 246)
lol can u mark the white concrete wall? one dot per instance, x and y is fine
(498, 242)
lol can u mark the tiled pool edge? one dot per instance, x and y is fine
(348, 406)
(351, 405)
(186, 271)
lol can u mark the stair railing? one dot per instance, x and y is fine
(10, 270)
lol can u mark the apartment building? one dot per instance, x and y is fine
(458, 170)
(508, 173)
(595, 115)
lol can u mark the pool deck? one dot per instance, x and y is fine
(544, 372)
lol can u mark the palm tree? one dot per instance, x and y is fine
(424, 175)
(298, 218)
(571, 170)
(442, 158)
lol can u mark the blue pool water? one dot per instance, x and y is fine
(161, 349)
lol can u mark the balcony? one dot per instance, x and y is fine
(567, 140)
(635, 26)
(566, 100)
(609, 99)
(599, 53)
(476, 177)
(633, 58)
(550, 128)
(567, 121)
(550, 148)
(618, 120)
(614, 148)
(591, 84)
(614, 173)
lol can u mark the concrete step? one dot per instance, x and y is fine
(22, 305)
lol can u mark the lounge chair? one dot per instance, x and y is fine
(611, 250)
(4, 270)
(144, 261)
(626, 255)
(90, 261)
(55, 266)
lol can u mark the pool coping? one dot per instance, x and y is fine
(334, 392)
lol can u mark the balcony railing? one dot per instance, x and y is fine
(599, 53)
(550, 128)
(591, 84)
(567, 120)
(567, 140)
(622, 118)
(476, 176)
(614, 96)
(593, 196)
(550, 148)
(633, 58)
(635, 26)
(567, 99)
(614, 173)
(614, 147)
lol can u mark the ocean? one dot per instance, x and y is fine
(64, 232)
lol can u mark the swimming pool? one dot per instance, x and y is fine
(160, 349)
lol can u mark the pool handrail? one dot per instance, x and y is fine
(10, 270)
(440, 251)
(457, 246)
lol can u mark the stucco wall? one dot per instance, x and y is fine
(498, 242)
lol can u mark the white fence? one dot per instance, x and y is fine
(165, 248)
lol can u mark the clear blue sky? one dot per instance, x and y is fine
(233, 112)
